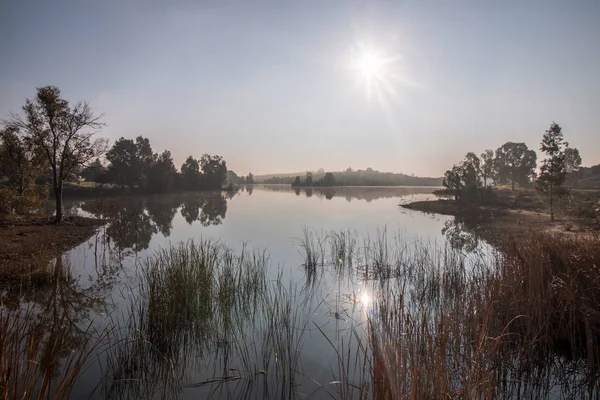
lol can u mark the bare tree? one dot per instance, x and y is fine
(63, 133)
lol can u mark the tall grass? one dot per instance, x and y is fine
(36, 363)
(523, 322)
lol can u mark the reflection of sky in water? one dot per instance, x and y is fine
(268, 218)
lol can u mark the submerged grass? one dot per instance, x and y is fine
(521, 321)
(36, 363)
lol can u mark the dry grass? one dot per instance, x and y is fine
(521, 322)
(36, 363)
(526, 326)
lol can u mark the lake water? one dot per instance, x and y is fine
(329, 309)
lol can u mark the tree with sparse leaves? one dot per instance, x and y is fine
(487, 166)
(572, 165)
(554, 168)
(64, 134)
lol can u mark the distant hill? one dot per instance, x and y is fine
(262, 178)
(368, 177)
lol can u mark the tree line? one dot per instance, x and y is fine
(515, 164)
(133, 164)
(52, 142)
(360, 177)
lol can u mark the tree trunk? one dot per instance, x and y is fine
(551, 203)
(513, 184)
(59, 205)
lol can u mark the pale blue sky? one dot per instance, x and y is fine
(268, 86)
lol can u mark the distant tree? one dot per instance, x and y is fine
(233, 178)
(130, 162)
(453, 181)
(145, 158)
(309, 179)
(572, 159)
(473, 163)
(63, 133)
(554, 168)
(515, 163)
(124, 167)
(297, 182)
(190, 173)
(20, 162)
(329, 179)
(214, 171)
(487, 166)
(162, 173)
(95, 172)
(463, 180)
(250, 178)
(572, 164)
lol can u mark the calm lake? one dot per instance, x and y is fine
(287, 346)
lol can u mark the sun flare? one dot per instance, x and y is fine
(377, 71)
(369, 64)
(365, 299)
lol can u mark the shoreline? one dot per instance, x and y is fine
(27, 245)
(513, 220)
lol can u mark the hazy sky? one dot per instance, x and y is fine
(269, 85)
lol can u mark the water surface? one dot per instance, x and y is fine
(103, 277)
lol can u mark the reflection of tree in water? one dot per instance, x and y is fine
(208, 209)
(459, 235)
(250, 189)
(162, 211)
(230, 193)
(213, 210)
(134, 220)
(350, 193)
(190, 209)
(132, 228)
(58, 308)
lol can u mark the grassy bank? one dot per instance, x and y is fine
(520, 209)
(29, 243)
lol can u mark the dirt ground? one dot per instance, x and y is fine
(28, 243)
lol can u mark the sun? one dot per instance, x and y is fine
(369, 64)
(375, 70)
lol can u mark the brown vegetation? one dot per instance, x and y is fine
(523, 208)
(515, 330)
(28, 243)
